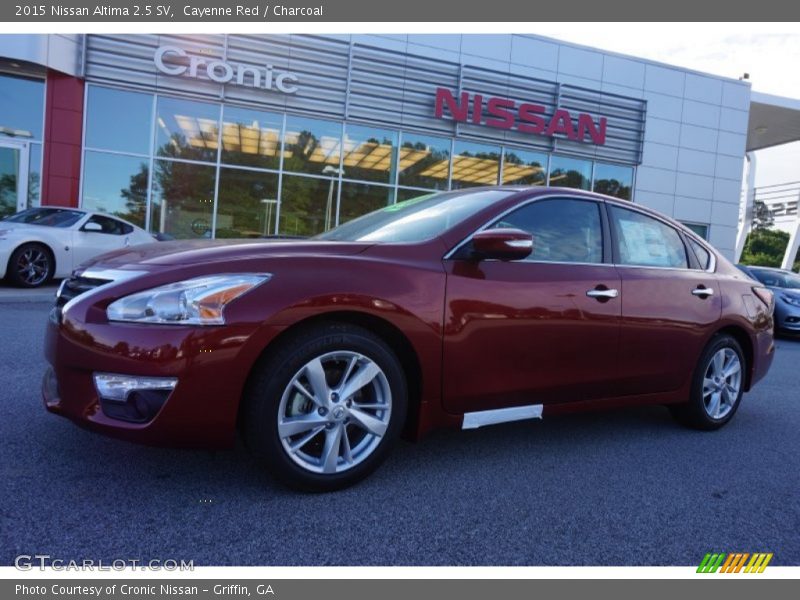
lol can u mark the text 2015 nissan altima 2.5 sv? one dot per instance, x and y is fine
(457, 309)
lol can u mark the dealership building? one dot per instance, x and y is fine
(198, 136)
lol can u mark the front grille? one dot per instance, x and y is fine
(74, 287)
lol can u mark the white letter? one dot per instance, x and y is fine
(159, 60)
(286, 89)
(211, 70)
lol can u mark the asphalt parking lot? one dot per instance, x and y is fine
(619, 488)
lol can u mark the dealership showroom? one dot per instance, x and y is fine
(231, 136)
(234, 136)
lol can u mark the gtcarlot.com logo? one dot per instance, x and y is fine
(735, 562)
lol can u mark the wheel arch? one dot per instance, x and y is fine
(398, 342)
(741, 336)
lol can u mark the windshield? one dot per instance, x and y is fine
(50, 217)
(415, 220)
(777, 279)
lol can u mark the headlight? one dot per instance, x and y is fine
(793, 300)
(198, 301)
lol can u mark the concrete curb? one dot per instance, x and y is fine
(11, 295)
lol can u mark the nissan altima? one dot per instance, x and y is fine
(457, 309)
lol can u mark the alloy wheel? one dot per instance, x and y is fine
(722, 383)
(33, 266)
(334, 412)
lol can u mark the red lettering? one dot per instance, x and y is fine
(458, 110)
(561, 123)
(529, 118)
(497, 107)
(528, 114)
(477, 108)
(596, 131)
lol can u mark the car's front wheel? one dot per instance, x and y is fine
(325, 408)
(30, 265)
(717, 386)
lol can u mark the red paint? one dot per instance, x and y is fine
(484, 334)
(63, 128)
(525, 118)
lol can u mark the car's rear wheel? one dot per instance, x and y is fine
(717, 386)
(30, 265)
(324, 410)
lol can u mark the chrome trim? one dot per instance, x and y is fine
(474, 420)
(703, 292)
(520, 244)
(602, 293)
(114, 275)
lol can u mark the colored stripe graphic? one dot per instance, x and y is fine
(733, 562)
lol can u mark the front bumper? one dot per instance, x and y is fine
(211, 364)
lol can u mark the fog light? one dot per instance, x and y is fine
(117, 387)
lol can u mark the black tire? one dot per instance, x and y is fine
(35, 256)
(695, 413)
(272, 379)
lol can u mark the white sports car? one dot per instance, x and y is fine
(41, 243)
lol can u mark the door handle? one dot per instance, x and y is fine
(602, 294)
(703, 292)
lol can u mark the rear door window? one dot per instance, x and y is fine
(644, 241)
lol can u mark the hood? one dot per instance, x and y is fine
(194, 252)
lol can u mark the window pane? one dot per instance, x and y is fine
(308, 205)
(524, 168)
(251, 137)
(703, 255)
(187, 129)
(698, 228)
(404, 194)
(312, 146)
(645, 241)
(424, 161)
(570, 172)
(248, 204)
(475, 164)
(359, 199)
(116, 185)
(117, 120)
(613, 180)
(369, 154)
(22, 105)
(183, 199)
(562, 230)
(35, 175)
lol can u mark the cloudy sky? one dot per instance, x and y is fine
(769, 52)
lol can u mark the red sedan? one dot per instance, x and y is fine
(458, 309)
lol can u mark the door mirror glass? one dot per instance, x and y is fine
(502, 244)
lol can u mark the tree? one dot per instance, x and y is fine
(765, 247)
(762, 216)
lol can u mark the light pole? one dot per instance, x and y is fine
(330, 170)
(268, 203)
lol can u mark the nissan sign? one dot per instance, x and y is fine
(504, 113)
(172, 60)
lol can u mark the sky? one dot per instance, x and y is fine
(769, 52)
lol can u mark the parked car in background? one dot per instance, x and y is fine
(456, 309)
(786, 287)
(39, 244)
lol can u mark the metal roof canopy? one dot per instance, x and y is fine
(774, 120)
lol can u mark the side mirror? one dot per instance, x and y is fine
(502, 244)
(92, 226)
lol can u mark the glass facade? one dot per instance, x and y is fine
(22, 124)
(190, 169)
